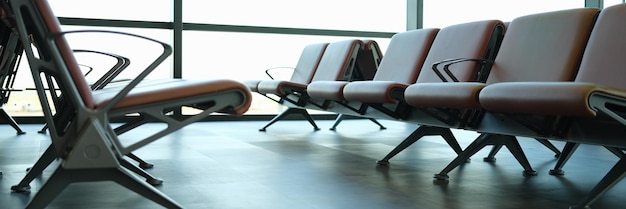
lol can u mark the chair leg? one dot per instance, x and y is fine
(103, 164)
(569, 149)
(420, 132)
(44, 160)
(609, 180)
(483, 140)
(149, 178)
(11, 121)
(289, 111)
(43, 129)
(491, 156)
(471, 149)
(567, 152)
(341, 116)
(142, 119)
(142, 163)
(308, 117)
(337, 122)
(616, 151)
(129, 126)
(378, 123)
(514, 147)
(49, 190)
(447, 135)
(48, 157)
(61, 178)
(546, 143)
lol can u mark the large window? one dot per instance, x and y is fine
(608, 3)
(360, 15)
(441, 13)
(137, 10)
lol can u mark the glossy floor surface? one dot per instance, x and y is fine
(231, 165)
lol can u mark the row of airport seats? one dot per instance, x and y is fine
(346, 60)
(400, 67)
(554, 76)
(329, 82)
(87, 146)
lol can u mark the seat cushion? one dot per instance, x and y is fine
(278, 87)
(372, 91)
(547, 98)
(462, 95)
(328, 90)
(171, 89)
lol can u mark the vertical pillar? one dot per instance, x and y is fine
(414, 14)
(594, 3)
(178, 38)
(177, 71)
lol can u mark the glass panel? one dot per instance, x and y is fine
(245, 56)
(25, 101)
(608, 3)
(143, 10)
(141, 53)
(361, 15)
(441, 13)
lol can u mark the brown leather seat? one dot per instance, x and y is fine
(467, 40)
(303, 71)
(336, 60)
(337, 63)
(405, 54)
(367, 63)
(587, 110)
(529, 52)
(171, 89)
(599, 72)
(82, 137)
(411, 54)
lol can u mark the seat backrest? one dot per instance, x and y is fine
(405, 55)
(604, 61)
(338, 61)
(308, 62)
(53, 58)
(472, 40)
(371, 45)
(543, 47)
(367, 61)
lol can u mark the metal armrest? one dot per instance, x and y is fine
(611, 105)
(449, 62)
(267, 71)
(167, 51)
(122, 63)
(90, 69)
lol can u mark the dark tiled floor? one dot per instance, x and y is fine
(231, 165)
